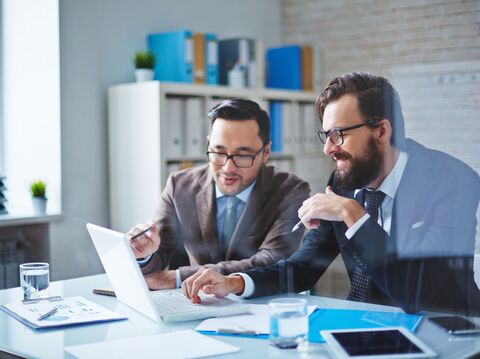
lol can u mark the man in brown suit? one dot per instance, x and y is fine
(231, 215)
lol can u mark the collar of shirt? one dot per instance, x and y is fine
(243, 196)
(390, 184)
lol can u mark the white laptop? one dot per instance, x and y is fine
(130, 287)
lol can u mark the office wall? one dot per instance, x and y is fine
(97, 41)
(429, 49)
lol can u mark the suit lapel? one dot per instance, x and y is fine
(206, 211)
(410, 190)
(245, 222)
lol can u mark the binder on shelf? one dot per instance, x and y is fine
(307, 76)
(211, 71)
(239, 51)
(278, 60)
(173, 55)
(195, 137)
(311, 126)
(297, 127)
(199, 64)
(175, 127)
(276, 126)
(259, 77)
(289, 129)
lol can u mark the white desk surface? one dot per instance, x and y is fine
(19, 339)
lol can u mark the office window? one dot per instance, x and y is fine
(31, 100)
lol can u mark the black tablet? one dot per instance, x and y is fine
(392, 342)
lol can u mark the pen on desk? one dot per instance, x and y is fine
(235, 331)
(47, 314)
(297, 226)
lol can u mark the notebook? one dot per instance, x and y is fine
(130, 287)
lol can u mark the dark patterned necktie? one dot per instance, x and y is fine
(360, 279)
(229, 222)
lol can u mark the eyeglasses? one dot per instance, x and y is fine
(242, 161)
(336, 134)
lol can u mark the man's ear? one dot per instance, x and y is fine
(266, 152)
(384, 131)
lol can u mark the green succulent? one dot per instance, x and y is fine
(38, 189)
(144, 60)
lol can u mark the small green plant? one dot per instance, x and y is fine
(144, 60)
(38, 189)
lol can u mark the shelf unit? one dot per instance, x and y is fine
(139, 127)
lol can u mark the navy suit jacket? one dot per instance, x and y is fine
(426, 263)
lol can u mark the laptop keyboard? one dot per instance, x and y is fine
(172, 305)
(173, 301)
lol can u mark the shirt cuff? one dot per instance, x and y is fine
(249, 286)
(143, 261)
(356, 226)
(178, 278)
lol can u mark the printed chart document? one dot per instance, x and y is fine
(70, 311)
(181, 344)
(257, 323)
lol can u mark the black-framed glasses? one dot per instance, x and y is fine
(242, 161)
(336, 134)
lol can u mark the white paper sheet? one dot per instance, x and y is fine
(70, 311)
(168, 345)
(257, 321)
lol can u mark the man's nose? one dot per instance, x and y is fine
(229, 165)
(329, 148)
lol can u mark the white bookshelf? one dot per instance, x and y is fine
(139, 129)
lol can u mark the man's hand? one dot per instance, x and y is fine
(331, 207)
(147, 243)
(161, 280)
(211, 282)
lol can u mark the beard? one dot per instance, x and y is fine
(363, 169)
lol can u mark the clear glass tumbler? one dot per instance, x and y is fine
(34, 279)
(288, 322)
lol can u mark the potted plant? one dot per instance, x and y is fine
(39, 200)
(144, 62)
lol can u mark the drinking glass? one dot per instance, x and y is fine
(34, 279)
(288, 322)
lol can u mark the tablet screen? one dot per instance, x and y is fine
(376, 343)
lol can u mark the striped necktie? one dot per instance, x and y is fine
(360, 279)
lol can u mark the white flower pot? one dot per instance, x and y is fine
(39, 205)
(143, 75)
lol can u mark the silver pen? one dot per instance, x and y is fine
(297, 226)
(47, 314)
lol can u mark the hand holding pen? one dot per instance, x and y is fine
(144, 239)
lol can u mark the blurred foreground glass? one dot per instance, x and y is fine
(34, 280)
(288, 322)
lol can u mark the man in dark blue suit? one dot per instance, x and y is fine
(402, 216)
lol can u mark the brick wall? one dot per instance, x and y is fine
(430, 50)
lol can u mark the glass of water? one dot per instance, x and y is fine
(34, 279)
(288, 322)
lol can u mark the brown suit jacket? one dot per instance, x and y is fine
(187, 217)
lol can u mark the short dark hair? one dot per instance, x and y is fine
(377, 99)
(238, 109)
